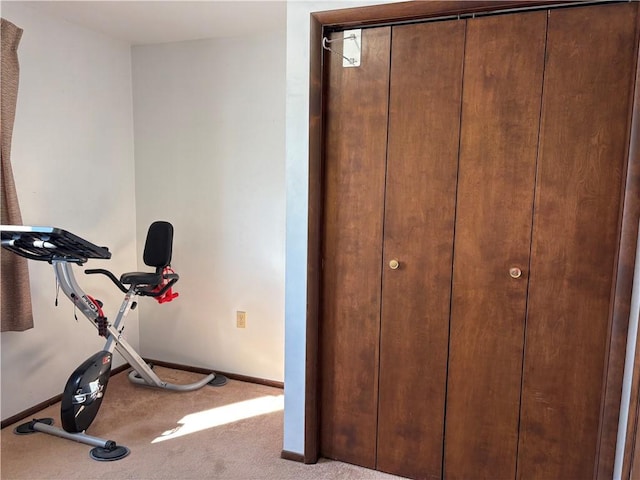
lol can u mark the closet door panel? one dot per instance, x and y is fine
(356, 145)
(422, 164)
(584, 131)
(502, 87)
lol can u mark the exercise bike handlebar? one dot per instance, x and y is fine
(111, 276)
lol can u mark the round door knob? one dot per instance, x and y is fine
(515, 272)
(394, 264)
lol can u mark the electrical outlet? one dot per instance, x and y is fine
(241, 319)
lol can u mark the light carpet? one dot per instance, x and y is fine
(229, 432)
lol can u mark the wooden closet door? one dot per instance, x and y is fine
(504, 61)
(356, 146)
(585, 124)
(422, 166)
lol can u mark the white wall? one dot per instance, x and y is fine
(72, 160)
(209, 147)
(297, 178)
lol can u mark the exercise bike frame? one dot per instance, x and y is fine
(141, 374)
(62, 249)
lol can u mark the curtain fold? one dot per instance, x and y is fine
(15, 296)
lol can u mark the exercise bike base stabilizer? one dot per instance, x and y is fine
(85, 389)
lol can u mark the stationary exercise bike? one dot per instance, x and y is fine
(85, 389)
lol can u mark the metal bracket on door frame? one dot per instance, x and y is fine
(351, 47)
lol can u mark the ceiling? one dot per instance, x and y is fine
(162, 21)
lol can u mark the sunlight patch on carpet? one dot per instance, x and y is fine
(196, 422)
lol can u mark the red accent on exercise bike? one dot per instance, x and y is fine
(101, 321)
(95, 302)
(169, 295)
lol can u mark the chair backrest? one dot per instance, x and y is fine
(159, 245)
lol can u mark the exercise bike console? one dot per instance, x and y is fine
(49, 244)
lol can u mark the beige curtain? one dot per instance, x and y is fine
(15, 297)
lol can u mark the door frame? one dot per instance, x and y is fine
(323, 22)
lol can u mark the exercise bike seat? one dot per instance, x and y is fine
(157, 253)
(141, 278)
